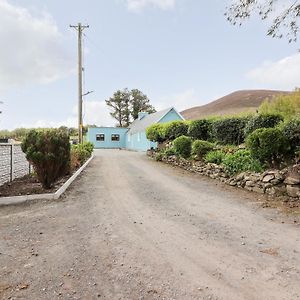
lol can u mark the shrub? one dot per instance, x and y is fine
(170, 152)
(158, 156)
(269, 145)
(200, 148)
(291, 131)
(241, 161)
(174, 129)
(155, 133)
(49, 153)
(183, 146)
(262, 121)
(200, 129)
(230, 130)
(215, 157)
(82, 151)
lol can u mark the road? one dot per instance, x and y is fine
(133, 228)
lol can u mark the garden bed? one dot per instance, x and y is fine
(29, 185)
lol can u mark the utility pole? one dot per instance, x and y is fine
(80, 29)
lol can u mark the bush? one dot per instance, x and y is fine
(230, 130)
(200, 148)
(268, 145)
(169, 152)
(183, 146)
(155, 133)
(262, 121)
(82, 152)
(200, 129)
(291, 131)
(215, 157)
(49, 153)
(174, 129)
(158, 156)
(241, 161)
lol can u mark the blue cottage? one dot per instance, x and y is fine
(134, 137)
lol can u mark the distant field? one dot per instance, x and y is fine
(237, 102)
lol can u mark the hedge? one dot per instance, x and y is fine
(155, 133)
(262, 121)
(174, 129)
(291, 131)
(200, 129)
(229, 131)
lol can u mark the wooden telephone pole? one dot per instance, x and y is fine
(80, 29)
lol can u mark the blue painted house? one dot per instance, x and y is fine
(134, 137)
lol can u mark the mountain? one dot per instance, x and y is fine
(234, 103)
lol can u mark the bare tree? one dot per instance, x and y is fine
(284, 15)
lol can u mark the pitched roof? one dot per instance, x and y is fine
(141, 125)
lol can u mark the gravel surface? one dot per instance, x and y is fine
(132, 228)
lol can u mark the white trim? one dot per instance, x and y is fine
(54, 196)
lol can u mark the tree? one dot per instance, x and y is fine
(125, 105)
(119, 104)
(139, 102)
(285, 22)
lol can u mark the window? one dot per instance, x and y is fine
(139, 137)
(100, 137)
(115, 137)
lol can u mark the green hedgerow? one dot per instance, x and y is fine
(200, 129)
(262, 121)
(174, 129)
(183, 146)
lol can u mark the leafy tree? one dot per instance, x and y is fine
(139, 102)
(126, 105)
(119, 104)
(285, 22)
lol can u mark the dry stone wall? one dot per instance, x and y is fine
(13, 163)
(284, 182)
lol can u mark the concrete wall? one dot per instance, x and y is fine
(10, 170)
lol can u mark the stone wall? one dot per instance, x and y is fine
(284, 182)
(10, 170)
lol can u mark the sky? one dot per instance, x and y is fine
(180, 53)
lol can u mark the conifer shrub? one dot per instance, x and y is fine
(183, 146)
(229, 131)
(268, 145)
(262, 121)
(174, 129)
(49, 153)
(200, 148)
(200, 129)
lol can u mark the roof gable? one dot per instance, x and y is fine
(148, 120)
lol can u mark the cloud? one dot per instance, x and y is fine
(139, 5)
(31, 49)
(282, 74)
(180, 101)
(94, 112)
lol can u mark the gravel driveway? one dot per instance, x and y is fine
(132, 228)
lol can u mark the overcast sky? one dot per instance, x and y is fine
(180, 53)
